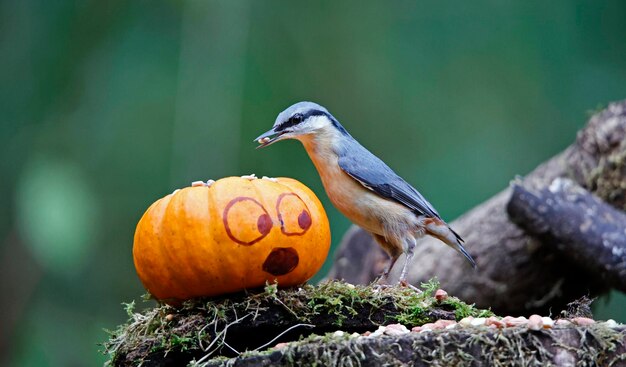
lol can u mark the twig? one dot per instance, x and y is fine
(281, 334)
(221, 335)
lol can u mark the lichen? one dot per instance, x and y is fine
(458, 347)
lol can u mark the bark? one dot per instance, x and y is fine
(577, 225)
(517, 273)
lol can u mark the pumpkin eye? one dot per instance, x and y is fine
(293, 214)
(246, 221)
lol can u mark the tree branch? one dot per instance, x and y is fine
(578, 225)
(516, 272)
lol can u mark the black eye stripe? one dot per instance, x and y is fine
(299, 117)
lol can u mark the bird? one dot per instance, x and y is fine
(362, 187)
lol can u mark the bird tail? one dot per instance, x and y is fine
(439, 229)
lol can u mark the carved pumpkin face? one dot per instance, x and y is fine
(238, 233)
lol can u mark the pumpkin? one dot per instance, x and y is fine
(234, 234)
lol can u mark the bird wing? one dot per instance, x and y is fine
(376, 176)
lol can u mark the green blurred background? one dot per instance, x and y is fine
(108, 105)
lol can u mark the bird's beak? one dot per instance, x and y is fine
(268, 138)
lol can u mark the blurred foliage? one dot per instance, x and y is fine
(108, 105)
(56, 215)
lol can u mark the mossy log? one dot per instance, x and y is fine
(166, 336)
(517, 272)
(329, 325)
(567, 346)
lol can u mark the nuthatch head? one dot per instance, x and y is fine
(300, 119)
(361, 185)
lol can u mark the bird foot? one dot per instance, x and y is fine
(382, 280)
(404, 283)
(381, 283)
(381, 287)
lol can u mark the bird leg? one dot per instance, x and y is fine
(406, 284)
(409, 250)
(391, 250)
(402, 281)
(384, 277)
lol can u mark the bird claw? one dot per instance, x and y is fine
(404, 283)
(381, 284)
(382, 280)
(381, 287)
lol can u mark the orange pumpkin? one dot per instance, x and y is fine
(235, 234)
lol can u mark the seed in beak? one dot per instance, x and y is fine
(263, 140)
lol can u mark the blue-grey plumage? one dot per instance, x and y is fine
(361, 185)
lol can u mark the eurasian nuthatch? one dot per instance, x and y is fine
(362, 186)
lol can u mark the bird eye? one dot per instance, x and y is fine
(251, 222)
(294, 215)
(296, 119)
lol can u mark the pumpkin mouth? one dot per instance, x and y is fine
(281, 261)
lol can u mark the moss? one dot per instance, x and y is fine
(415, 307)
(202, 324)
(578, 308)
(606, 180)
(462, 309)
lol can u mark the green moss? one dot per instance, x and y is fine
(462, 309)
(606, 180)
(201, 324)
